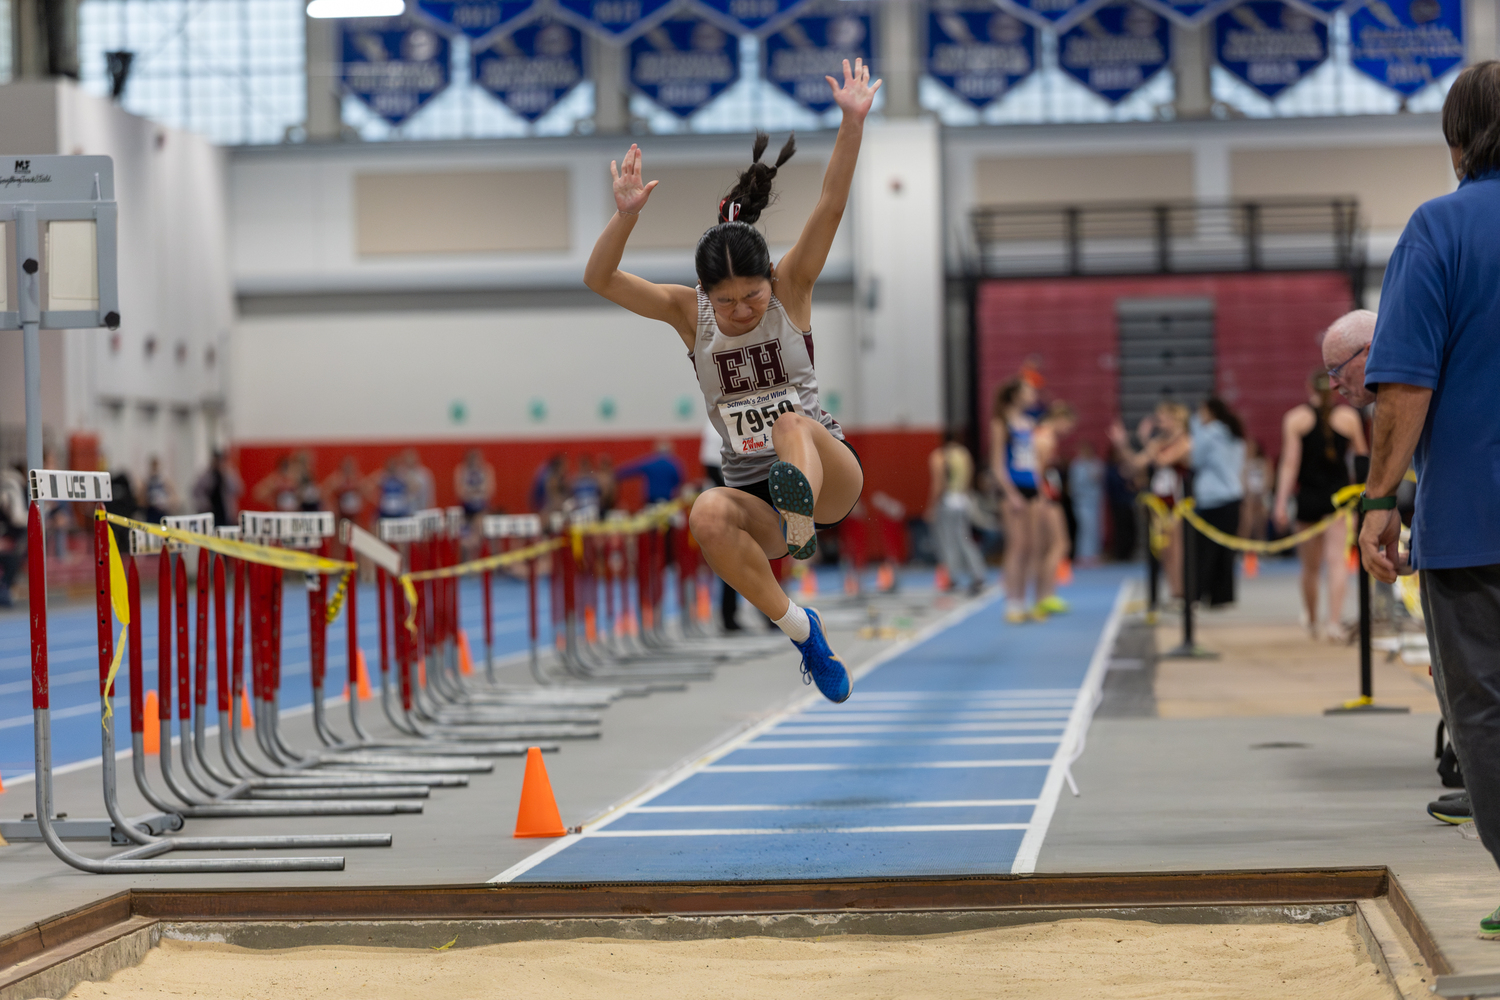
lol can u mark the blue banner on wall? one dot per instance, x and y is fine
(1116, 49)
(394, 65)
(1407, 44)
(978, 52)
(752, 15)
(1059, 15)
(801, 54)
(1269, 44)
(615, 20)
(684, 63)
(532, 68)
(478, 18)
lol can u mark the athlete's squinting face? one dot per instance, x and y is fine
(740, 303)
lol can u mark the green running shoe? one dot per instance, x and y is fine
(793, 498)
(1489, 927)
(1053, 605)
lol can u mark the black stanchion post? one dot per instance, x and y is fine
(1189, 649)
(1366, 700)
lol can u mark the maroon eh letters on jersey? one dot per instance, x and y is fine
(752, 367)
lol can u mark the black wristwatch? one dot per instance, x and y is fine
(1376, 503)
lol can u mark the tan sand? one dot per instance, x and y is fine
(1073, 959)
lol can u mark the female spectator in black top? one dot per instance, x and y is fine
(1318, 437)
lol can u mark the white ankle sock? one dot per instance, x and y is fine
(794, 623)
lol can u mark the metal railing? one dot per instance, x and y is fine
(1179, 237)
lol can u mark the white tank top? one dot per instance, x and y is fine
(749, 380)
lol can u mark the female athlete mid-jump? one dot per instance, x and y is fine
(747, 327)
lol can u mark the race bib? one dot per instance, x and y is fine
(748, 420)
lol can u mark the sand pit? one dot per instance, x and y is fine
(1118, 959)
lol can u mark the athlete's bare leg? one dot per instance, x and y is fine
(1335, 543)
(740, 534)
(1310, 553)
(1054, 547)
(1020, 541)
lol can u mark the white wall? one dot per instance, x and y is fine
(175, 288)
(384, 376)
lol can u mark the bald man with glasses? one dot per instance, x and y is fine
(1346, 345)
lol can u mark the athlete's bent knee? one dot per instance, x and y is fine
(792, 423)
(712, 516)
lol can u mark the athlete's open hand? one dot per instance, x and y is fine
(856, 95)
(630, 193)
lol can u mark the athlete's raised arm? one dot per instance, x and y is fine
(799, 269)
(674, 304)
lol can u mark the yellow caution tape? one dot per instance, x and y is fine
(336, 602)
(1163, 517)
(253, 552)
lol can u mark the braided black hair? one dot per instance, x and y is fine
(735, 248)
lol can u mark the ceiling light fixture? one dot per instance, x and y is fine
(356, 8)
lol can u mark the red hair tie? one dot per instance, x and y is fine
(732, 214)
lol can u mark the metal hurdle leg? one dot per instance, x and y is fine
(138, 860)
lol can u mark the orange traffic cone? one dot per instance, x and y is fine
(1064, 572)
(1252, 565)
(247, 717)
(809, 582)
(538, 815)
(705, 609)
(2, 787)
(362, 679)
(465, 658)
(151, 736)
(885, 578)
(590, 626)
(941, 580)
(422, 672)
(851, 582)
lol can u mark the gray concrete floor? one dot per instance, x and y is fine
(1269, 792)
(464, 835)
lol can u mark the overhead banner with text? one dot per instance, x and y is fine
(394, 65)
(684, 63)
(978, 52)
(532, 68)
(615, 20)
(1116, 50)
(1269, 44)
(478, 18)
(799, 56)
(1407, 44)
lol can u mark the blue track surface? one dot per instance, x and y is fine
(947, 759)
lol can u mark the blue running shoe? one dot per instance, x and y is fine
(820, 664)
(793, 497)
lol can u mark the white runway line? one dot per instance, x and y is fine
(765, 744)
(905, 766)
(934, 804)
(1048, 713)
(822, 729)
(1089, 696)
(755, 831)
(774, 719)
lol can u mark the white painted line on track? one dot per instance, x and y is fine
(934, 804)
(904, 766)
(1089, 695)
(752, 831)
(790, 729)
(1049, 713)
(962, 741)
(968, 695)
(681, 774)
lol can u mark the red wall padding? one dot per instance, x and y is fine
(1268, 328)
(895, 462)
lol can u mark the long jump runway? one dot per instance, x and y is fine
(948, 759)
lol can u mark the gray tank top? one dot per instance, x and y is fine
(750, 380)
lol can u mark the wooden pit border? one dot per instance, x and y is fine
(66, 937)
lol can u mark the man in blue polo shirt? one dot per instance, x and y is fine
(1435, 367)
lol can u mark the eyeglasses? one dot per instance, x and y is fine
(1333, 373)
